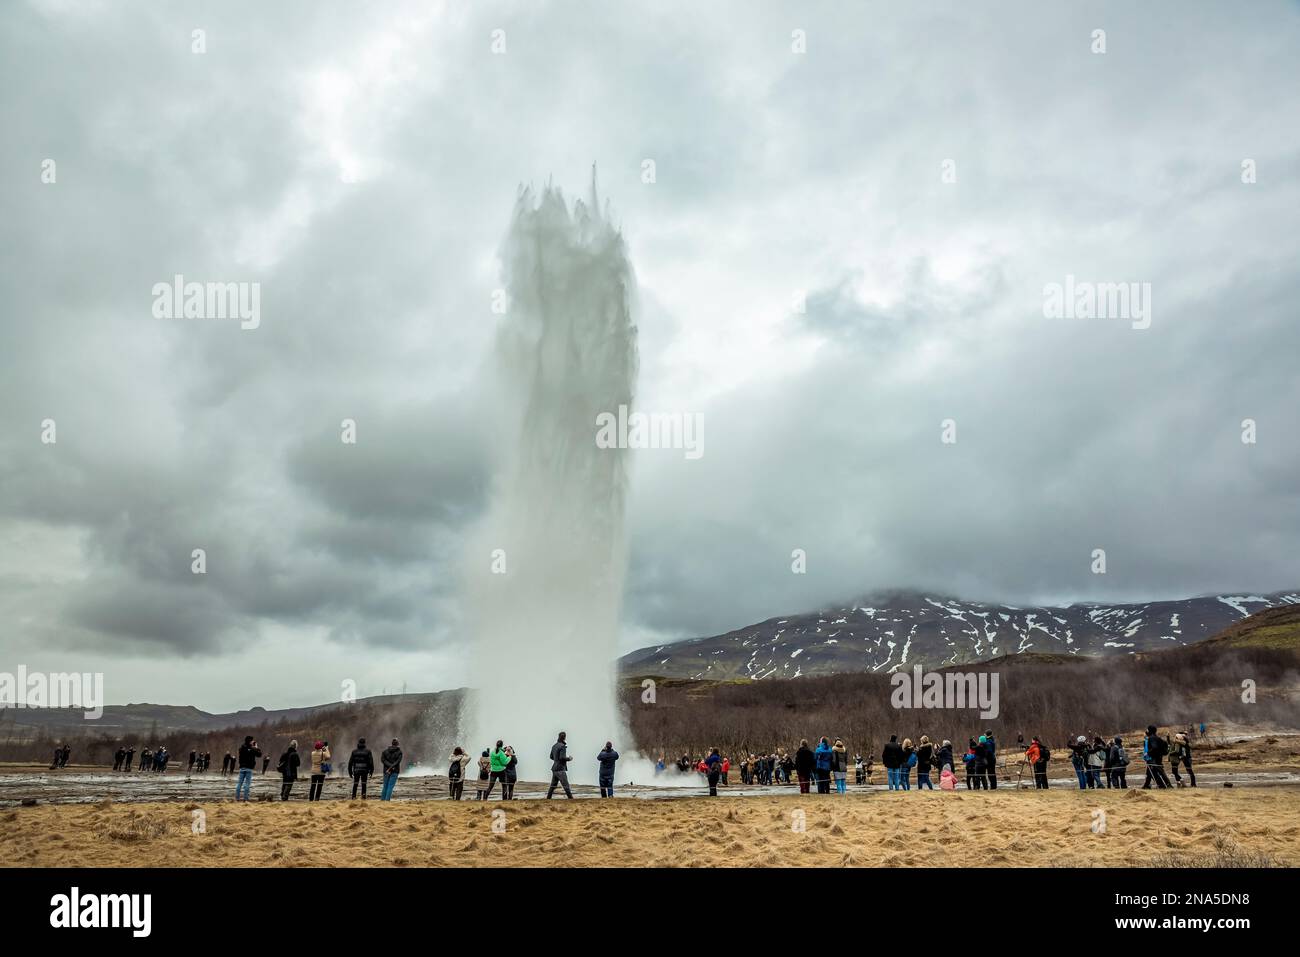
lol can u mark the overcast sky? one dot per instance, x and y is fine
(361, 162)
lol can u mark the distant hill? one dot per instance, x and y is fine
(1272, 628)
(1054, 696)
(903, 629)
(130, 721)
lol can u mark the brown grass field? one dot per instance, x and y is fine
(1256, 822)
(1201, 827)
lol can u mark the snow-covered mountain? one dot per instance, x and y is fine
(907, 628)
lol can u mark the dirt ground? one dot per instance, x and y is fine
(86, 817)
(875, 829)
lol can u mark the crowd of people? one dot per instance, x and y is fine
(320, 762)
(1098, 762)
(500, 765)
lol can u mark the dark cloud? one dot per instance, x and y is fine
(361, 165)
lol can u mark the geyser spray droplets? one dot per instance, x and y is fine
(546, 567)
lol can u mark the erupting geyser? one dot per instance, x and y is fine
(546, 567)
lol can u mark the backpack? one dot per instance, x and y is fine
(1044, 755)
(453, 772)
(1120, 757)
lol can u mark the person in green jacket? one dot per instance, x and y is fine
(498, 760)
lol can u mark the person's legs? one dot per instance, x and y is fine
(1187, 763)
(564, 781)
(245, 783)
(1123, 783)
(493, 778)
(993, 778)
(389, 781)
(713, 784)
(803, 784)
(285, 789)
(1161, 778)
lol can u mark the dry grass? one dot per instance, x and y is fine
(1204, 827)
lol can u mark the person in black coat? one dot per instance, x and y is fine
(924, 760)
(805, 762)
(288, 768)
(360, 766)
(992, 749)
(560, 759)
(1154, 755)
(945, 757)
(606, 760)
(892, 759)
(512, 775)
(1182, 752)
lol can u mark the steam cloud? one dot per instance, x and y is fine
(545, 568)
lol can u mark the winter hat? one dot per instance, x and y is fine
(318, 745)
(1081, 739)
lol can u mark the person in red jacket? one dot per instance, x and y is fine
(726, 766)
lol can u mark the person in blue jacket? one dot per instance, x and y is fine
(607, 758)
(714, 765)
(822, 754)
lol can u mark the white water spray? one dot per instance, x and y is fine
(546, 567)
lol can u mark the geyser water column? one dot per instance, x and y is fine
(546, 567)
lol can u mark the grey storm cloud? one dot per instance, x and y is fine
(361, 164)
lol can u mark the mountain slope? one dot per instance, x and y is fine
(146, 719)
(903, 629)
